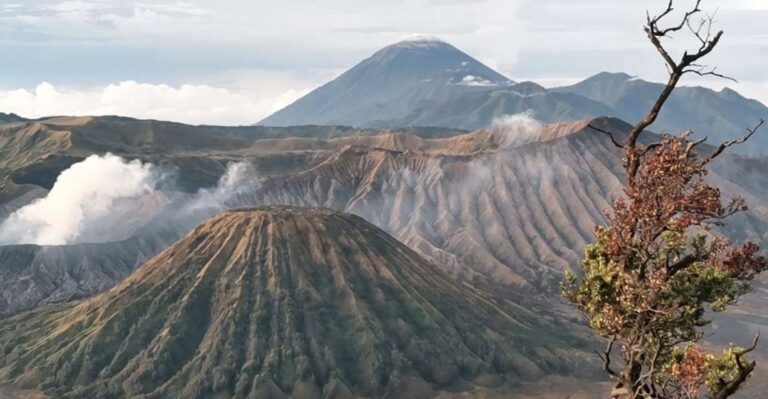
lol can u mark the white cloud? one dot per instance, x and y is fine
(194, 104)
(747, 4)
(95, 42)
(299, 32)
(73, 6)
(179, 7)
(471, 80)
(238, 178)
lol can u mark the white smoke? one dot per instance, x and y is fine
(106, 198)
(511, 131)
(516, 129)
(230, 184)
(84, 196)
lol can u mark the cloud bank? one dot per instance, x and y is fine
(193, 104)
(95, 42)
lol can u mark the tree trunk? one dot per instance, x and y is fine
(627, 385)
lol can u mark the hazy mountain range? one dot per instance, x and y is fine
(386, 259)
(432, 83)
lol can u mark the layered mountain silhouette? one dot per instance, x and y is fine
(720, 115)
(431, 83)
(283, 302)
(7, 118)
(35, 152)
(426, 82)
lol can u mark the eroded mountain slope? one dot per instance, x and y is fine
(35, 152)
(515, 210)
(510, 209)
(284, 302)
(517, 213)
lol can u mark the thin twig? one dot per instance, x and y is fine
(607, 133)
(750, 132)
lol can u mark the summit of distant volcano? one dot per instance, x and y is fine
(394, 81)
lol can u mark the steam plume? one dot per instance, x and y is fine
(106, 198)
(83, 196)
(229, 185)
(516, 129)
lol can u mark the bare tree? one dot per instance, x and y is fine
(654, 270)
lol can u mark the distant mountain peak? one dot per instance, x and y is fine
(727, 92)
(421, 40)
(717, 114)
(527, 88)
(424, 81)
(10, 117)
(403, 76)
(610, 77)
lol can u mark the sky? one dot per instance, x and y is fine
(233, 62)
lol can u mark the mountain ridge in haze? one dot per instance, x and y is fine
(721, 115)
(431, 83)
(427, 83)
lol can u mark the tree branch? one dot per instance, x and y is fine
(750, 132)
(606, 358)
(743, 372)
(607, 133)
(713, 72)
(682, 264)
(664, 32)
(648, 376)
(676, 70)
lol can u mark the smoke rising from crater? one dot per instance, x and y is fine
(107, 198)
(229, 185)
(516, 129)
(84, 195)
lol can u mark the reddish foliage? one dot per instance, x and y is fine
(743, 262)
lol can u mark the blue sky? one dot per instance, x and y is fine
(235, 61)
